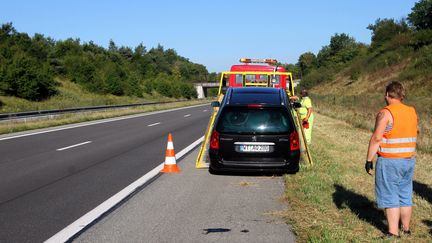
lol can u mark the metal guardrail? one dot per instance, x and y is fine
(41, 113)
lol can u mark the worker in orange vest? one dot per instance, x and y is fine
(394, 140)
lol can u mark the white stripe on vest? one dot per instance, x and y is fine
(397, 150)
(399, 140)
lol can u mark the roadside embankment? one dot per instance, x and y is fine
(334, 200)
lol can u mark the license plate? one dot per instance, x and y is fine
(255, 148)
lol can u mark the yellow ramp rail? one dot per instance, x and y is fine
(203, 159)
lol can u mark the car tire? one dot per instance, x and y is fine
(212, 171)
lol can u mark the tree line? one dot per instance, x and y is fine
(29, 66)
(392, 41)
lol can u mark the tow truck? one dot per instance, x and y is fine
(251, 73)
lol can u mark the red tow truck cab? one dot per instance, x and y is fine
(251, 74)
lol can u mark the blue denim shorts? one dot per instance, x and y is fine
(393, 182)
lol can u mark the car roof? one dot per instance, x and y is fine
(255, 95)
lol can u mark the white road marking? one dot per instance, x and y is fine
(187, 115)
(65, 127)
(154, 124)
(72, 229)
(73, 146)
(205, 110)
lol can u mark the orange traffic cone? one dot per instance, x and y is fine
(170, 165)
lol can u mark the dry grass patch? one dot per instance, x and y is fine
(361, 112)
(334, 200)
(246, 183)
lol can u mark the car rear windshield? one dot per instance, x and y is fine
(244, 120)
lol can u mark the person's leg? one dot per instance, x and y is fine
(405, 193)
(393, 216)
(386, 190)
(308, 134)
(406, 213)
(309, 130)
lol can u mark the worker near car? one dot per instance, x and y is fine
(306, 113)
(394, 141)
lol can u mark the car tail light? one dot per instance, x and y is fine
(294, 141)
(214, 140)
(255, 106)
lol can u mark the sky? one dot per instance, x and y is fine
(213, 33)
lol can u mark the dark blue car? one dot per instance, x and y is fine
(254, 131)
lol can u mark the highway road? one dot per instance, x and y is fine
(51, 178)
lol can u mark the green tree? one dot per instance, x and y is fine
(7, 30)
(323, 56)
(112, 47)
(79, 68)
(421, 15)
(133, 85)
(307, 61)
(126, 52)
(28, 65)
(26, 78)
(386, 29)
(339, 42)
(67, 47)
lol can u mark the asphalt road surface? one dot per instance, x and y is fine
(195, 206)
(50, 179)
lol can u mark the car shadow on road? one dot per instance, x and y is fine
(246, 174)
(360, 205)
(422, 190)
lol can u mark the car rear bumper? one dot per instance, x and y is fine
(287, 166)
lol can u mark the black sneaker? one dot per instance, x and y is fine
(389, 236)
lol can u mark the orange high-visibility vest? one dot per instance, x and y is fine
(400, 141)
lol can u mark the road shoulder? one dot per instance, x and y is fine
(194, 206)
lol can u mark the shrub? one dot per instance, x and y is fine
(79, 69)
(163, 87)
(188, 91)
(133, 86)
(421, 38)
(148, 86)
(420, 67)
(318, 76)
(26, 78)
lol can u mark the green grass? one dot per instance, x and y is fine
(333, 201)
(72, 95)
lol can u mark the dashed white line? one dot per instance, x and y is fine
(65, 127)
(73, 146)
(205, 110)
(154, 124)
(187, 115)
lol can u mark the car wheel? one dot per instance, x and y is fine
(212, 171)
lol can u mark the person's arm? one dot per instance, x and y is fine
(309, 112)
(308, 105)
(381, 122)
(293, 98)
